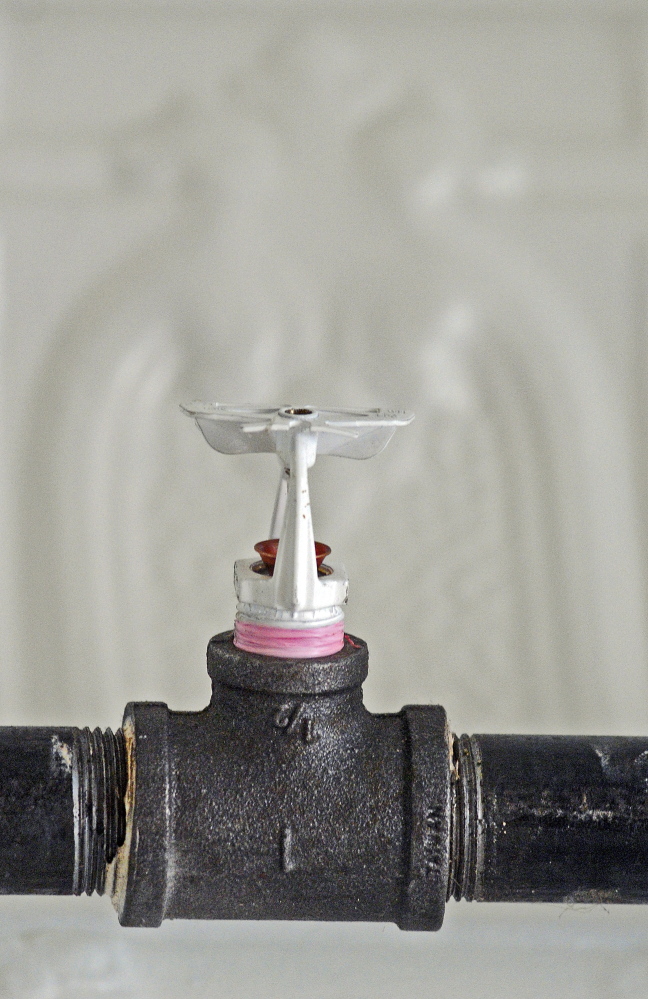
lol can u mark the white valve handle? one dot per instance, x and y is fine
(297, 435)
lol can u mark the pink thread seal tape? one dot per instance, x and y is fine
(289, 643)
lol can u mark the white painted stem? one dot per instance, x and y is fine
(295, 575)
(279, 511)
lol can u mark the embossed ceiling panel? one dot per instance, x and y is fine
(320, 216)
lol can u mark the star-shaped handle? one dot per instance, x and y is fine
(297, 434)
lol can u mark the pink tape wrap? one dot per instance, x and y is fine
(289, 643)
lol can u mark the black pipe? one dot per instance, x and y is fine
(286, 799)
(553, 819)
(62, 814)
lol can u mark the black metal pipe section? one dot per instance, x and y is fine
(286, 799)
(551, 819)
(61, 809)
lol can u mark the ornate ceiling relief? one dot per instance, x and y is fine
(325, 230)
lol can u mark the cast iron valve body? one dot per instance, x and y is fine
(287, 799)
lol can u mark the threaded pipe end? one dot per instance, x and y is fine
(466, 834)
(99, 785)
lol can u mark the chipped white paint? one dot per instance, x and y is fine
(62, 754)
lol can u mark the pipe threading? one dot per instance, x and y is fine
(466, 826)
(99, 783)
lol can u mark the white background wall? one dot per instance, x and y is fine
(440, 207)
